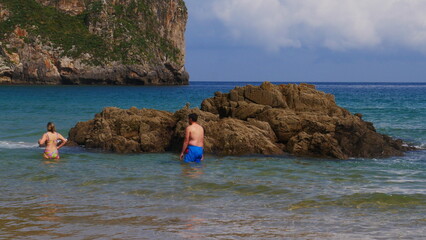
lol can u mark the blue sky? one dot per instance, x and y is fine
(306, 40)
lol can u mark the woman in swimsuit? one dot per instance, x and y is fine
(51, 139)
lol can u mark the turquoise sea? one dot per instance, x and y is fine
(94, 195)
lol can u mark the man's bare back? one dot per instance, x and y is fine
(194, 141)
(196, 135)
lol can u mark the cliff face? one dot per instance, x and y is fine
(137, 42)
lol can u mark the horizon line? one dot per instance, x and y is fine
(227, 81)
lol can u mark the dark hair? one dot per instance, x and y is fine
(193, 117)
(51, 127)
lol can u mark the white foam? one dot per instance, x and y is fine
(421, 146)
(418, 146)
(17, 145)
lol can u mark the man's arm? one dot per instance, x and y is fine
(185, 142)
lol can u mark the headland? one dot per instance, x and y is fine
(92, 42)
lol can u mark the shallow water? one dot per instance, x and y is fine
(94, 195)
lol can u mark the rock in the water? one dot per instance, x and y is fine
(126, 131)
(269, 119)
(308, 122)
(228, 136)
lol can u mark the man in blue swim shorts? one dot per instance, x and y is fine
(192, 149)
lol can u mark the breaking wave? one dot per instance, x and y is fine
(17, 145)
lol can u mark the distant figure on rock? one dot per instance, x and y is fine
(192, 149)
(50, 138)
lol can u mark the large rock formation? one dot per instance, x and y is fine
(267, 119)
(138, 42)
(147, 130)
(306, 121)
(125, 131)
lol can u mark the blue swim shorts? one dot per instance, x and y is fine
(194, 154)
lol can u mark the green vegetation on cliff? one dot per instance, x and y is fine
(129, 44)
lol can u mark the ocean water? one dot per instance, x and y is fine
(96, 195)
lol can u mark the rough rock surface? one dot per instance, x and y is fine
(146, 130)
(306, 121)
(126, 131)
(267, 119)
(119, 42)
(227, 136)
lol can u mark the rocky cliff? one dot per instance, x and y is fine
(138, 42)
(268, 119)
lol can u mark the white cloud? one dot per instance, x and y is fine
(334, 24)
